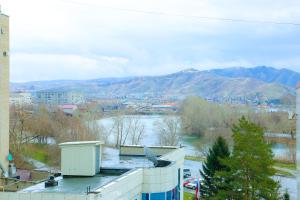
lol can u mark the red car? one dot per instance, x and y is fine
(189, 180)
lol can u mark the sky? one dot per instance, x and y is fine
(88, 39)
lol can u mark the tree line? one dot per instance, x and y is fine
(199, 116)
(41, 125)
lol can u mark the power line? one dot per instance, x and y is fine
(183, 15)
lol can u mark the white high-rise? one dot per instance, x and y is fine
(4, 91)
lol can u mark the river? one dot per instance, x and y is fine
(191, 143)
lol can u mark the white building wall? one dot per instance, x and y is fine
(127, 187)
(78, 160)
(160, 179)
(4, 90)
(178, 156)
(41, 196)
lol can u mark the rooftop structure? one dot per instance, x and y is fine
(4, 92)
(80, 158)
(124, 174)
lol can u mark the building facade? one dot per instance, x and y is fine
(57, 97)
(4, 92)
(20, 98)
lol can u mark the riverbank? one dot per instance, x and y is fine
(282, 168)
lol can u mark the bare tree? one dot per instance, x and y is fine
(137, 131)
(18, 125)
(291, 151)
(127, 130)
(169, 131)
(102, 133)
(119, 129)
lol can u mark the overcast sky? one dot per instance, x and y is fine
(62, 39)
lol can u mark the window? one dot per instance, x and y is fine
(145, 196)
(158, 196)
(169, 195)
(4, 53)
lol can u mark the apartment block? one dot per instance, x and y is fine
(58, 97)
(20, 99)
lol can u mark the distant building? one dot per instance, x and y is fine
(57, 97)
(165, 107)
(68, 109)
(20, 98)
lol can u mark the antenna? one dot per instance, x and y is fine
(150, 156)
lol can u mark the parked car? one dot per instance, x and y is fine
(191, 185)
(186, 173)
(187, 181)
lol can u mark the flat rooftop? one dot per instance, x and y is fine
(74, 185)
(113, 160)
(78, 185)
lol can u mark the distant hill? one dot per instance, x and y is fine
(267, 74)
(235, 83)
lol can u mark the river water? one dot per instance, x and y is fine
(191, 145)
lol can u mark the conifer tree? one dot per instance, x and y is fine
(251, 166)
(212, 164)
(286, 195)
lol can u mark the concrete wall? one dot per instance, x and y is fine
(127, 187)
(4, 90)
(41, 196)
(177, 156)
(161, 179)
(136, 150)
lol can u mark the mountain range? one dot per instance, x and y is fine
(267, 74)
(261, 82)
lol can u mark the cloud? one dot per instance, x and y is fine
(68, 66)
(108, 38)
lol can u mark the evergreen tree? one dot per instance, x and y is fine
(286, 195)
(212, 164)
(251, 166)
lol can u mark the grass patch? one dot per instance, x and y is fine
(291, 166)
(194, 158)
(283, 173)
(40, 156)
(189, 196)
(43, 153)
